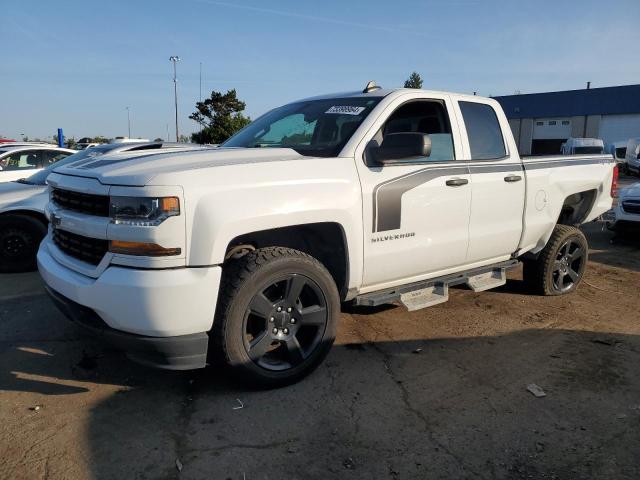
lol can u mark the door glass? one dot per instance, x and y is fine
(52, 156)
(428, 117)
(21, 161)
(483, 130)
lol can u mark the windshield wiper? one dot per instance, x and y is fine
(25, 181)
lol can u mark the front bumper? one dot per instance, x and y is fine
(624, 218)
(184, 352)
(170, 310)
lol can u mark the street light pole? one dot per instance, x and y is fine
(128, 122)
(175, 59)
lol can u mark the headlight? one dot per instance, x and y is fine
(142, 211)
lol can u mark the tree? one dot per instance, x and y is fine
(220, 116)
(158, 139)
(67, 142)
(414, 81)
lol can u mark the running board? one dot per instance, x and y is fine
(488, 280)
(424, 294)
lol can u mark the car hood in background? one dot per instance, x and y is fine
(632, 191)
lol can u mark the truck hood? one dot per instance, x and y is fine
(139, 170)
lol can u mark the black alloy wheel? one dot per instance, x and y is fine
(20, 236)
(285, 322)
(568, 266)
(276, 316)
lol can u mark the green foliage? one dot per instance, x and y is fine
(67, 142)
(220, 116)
(414, 81)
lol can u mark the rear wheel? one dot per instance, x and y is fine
(560, 266)
(276, 316)
(20, 237)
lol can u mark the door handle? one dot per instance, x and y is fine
(512, 178)
(456, 182)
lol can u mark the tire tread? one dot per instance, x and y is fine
(535, 271)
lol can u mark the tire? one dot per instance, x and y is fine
(266, 344)
(20, 236)
(559, 268)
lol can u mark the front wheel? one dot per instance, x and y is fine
(20, 236)
(276, 316)
(561, 264)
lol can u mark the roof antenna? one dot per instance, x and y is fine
(371, 86)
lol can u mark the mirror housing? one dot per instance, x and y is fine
(399, 147)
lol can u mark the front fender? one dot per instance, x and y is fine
(246, 199)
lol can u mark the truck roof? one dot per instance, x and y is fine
(381, 92)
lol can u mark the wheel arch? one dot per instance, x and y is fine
(576, 207)
(26, 213)
(325, 241)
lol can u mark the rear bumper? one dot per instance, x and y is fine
(184, 352)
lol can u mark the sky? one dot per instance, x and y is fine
(77, 65)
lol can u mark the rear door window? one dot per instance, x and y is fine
(484, 132)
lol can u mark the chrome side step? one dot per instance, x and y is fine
(485, 281)
(425, 297)
(424, 294)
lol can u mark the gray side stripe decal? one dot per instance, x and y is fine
(564, 163)
(387, 196)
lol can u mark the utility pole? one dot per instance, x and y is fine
(201, 100)
(128, 122)
(175, 59)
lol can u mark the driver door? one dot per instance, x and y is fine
(416, 212)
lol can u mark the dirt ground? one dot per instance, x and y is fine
(437, 393)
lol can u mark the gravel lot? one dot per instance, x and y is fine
(437, 393)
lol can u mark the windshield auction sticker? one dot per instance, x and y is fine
(345, 110)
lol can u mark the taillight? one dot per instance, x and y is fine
(614, 182)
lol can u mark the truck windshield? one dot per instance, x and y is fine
(317, 128)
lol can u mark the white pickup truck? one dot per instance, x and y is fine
(245, 253)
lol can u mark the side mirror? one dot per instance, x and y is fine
(399, 147)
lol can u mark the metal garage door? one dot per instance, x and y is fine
(614, 128)
(551, 128)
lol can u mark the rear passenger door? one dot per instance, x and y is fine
(497, 183)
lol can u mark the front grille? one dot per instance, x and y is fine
(631, 206)
(97, 205)
(90, 250)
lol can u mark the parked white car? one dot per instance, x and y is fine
(246, 251)
(20, 161)
(633, 155)
(627, 211)
(582, 146)
(23, 223)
